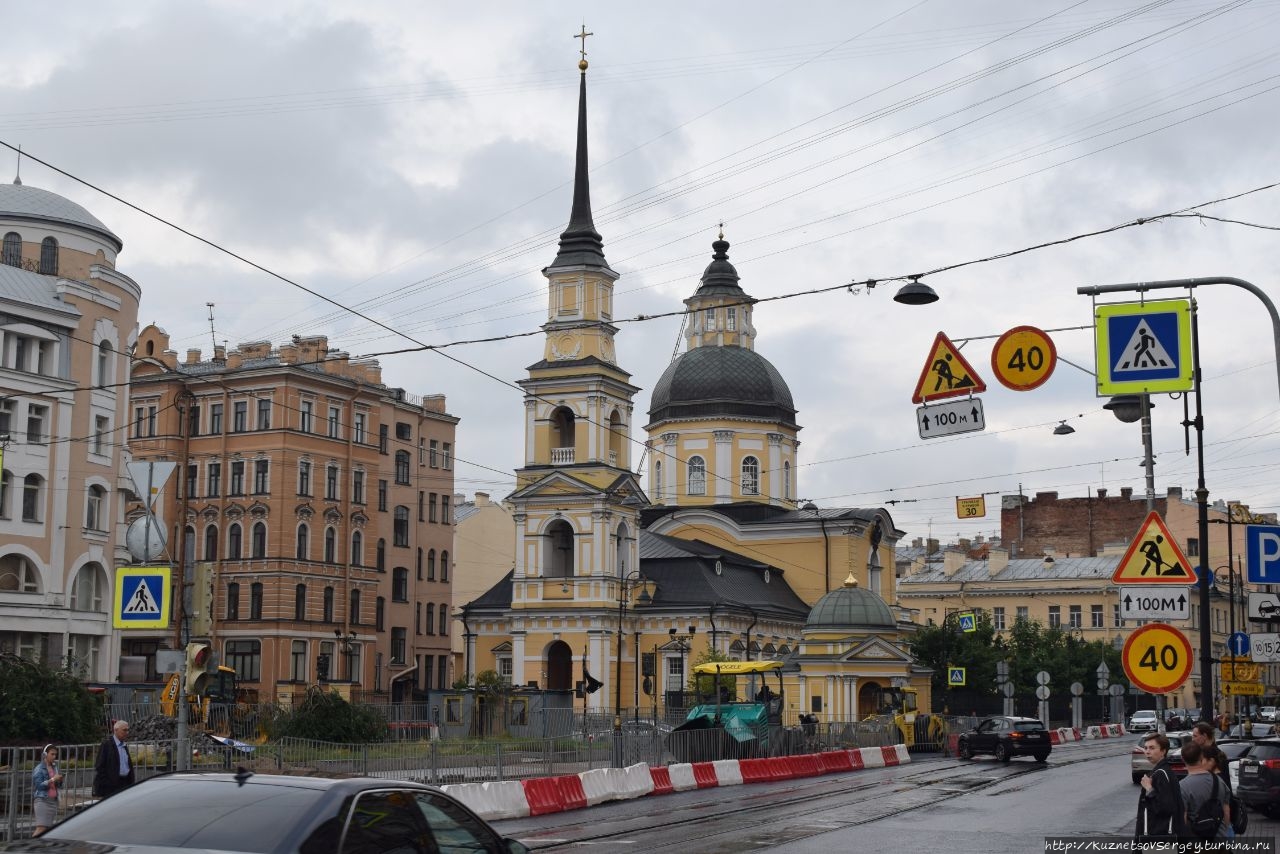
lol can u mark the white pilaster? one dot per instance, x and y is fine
(725, 475)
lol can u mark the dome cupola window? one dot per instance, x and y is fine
(49, 257)
(750, 476)
(12, 254)
(697, 476)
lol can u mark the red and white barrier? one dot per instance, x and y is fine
(1107, 731)
(545, 795)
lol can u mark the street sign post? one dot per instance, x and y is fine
(1262, 550)
(1023, 358)
(950, 418)
(142, 596)
(1154, 603)
(1157, 658)
(1264, 647)
(1264, 606)
(955, 675)
(968, 622)
(1238, 644)
(1143, 347)
(946, 373)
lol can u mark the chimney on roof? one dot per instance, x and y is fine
(1175, 492)
(930, 546)
(952, 560)
(482, 499)
(997, 560)
(433, 403)
(1102, 492)
(1126, 492)
(193, 357)
(220, 354)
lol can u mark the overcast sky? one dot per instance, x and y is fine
(412, 161)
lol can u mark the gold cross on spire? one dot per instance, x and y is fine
(583, 35)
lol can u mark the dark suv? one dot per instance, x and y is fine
(1259, 785)
(1007, 737)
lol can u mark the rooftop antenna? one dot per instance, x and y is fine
(17, 179)
(212, 335)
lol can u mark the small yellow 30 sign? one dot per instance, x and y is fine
(971, 508)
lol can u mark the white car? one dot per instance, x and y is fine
(1267, 713)
(1143, 720)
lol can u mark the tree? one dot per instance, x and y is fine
(709, 686)
(325, 716)
(39, 705)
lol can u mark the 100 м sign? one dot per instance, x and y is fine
(1154, 603)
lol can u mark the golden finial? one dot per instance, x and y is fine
(582, 63)
(851, 581)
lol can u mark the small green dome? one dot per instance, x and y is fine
(850, 607)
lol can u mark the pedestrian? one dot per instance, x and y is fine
(1201, 785)
(1160, 811)
(45, 782)
(1204, 735)
(113, 768)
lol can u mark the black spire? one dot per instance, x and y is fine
(580, 243)
(720, 277)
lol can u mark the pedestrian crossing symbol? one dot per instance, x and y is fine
(1153, 557)
(955, 675)
(142, 597)
(1143, 347)
(967, 622)
(946, 374)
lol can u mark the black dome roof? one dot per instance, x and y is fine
(714, 381)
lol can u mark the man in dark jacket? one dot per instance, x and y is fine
(1160, 809)
(113, 767)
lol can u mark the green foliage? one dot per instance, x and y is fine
(39, 705)
(325, 716)
(706, 685)
(490, 683)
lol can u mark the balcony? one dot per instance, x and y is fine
(561, 456)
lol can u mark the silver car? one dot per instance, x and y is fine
(1138, 763)
(1143, 720)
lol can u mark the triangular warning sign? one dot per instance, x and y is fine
(142, 602)
(1154, 557)
(1143, 352)
(946, 374)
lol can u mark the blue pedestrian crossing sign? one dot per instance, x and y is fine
(1143, 347)
(142, 597)
(967, 621)
(955, 675)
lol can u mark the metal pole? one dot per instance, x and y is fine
(617, 680)
(1149, 465)
(1202, 500)
(182, 761)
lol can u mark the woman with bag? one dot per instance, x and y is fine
(45, 780)
(1160, 810)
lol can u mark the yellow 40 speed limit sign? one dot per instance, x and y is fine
(1157, 658)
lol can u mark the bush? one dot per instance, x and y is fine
(325, 716)
(40, 705)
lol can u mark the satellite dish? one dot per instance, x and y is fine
(144, 545)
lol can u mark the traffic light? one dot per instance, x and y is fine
(200, 611)
(197, 660)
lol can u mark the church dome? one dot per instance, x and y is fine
(715, 382)
(20, 202)
(850, 607)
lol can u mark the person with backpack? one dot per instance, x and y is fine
(1203, 734)
(1206, 798)
(1160, 809)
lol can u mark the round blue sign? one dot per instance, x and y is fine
(1238, 644)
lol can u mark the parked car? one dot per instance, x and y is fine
(1259, 780)
(1267, 713)
(1006, 737)
(1143, 720)
(268, 814)
(1138, 763)
(1255, 730)
(1233, 750)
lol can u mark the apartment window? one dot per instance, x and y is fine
(259, 543)
(359, 428)
(404, 432)
(49, 257)
(1022, 613)
(21, 575)
(354, 615)
(380, 555)
(417, 618)
(1074, 617)
(261, 479)
(397, 645)
(382, 439)
(379, 614)
(245, 657)
(304, 477)
(215, 480)
(431, 507)
(95, 518)
(444, 566)
(402, 467)
(32, 498)
(101, 427)
(300, 602)
(298, 661)
(1095, 616)
(382, 495)
(431, 565)
(399, 584)
(357, 548)
(731, 319)
(422, 505)
(432, 453)
(422, 451)
(697, 476)
(234, 542)
(239, 416)
(211, 542)
(446, 455)
(418, 563)
(1055, 616)
(305, 410)
(328, 605)
(264, 414)
(997, 619)
(237, 478)
(87, 592)
(400, 532)
(331, 483)
(1116, 620)
(444, 509)
(442, 672)
(233, 601)
(1193, 547)
(193, 419)
(750, 476)
(6, 417)
(334, 414)
(255, 600)
(443, 624)
(330, 545)
(37, 416)
(215, 419)
(431, 625)
(304, 534)
(6, 480)
(357, 486)
(193, 474)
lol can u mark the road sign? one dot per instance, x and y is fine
(142, 597)
(1262, 545)
(1242, 689)
(947, 419)
(1042, 692)
(1023, 358)
(1153, 557)
(1240, 669)
(1007, 689)
(1157, 658)
(946, 374)
(955, 675)
(1264, 647)
(1143, 347)
(967, 621)
(149, 478)
(1077, 688)
(1043, 677)
(1238, 644)
(971, 508)
(1264, 606)
(1154, 603)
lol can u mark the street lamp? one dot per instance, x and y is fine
(347, 643)
(627, 584)
(1202, 492)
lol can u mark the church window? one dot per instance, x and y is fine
(562, 436)
(731, 319)
(559, 555)
(750, 476)
(786, 481)
(13, 249)
(657, 479)
(710, 320)
(697, 476)
(49, 256)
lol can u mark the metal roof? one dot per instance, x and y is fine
(1019, 569)
(20, 200)
(32, 289)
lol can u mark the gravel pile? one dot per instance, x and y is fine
(161, 728)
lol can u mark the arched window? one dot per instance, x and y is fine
(400, 530)
(95, 516)
(189, 544)
(233, 601)
(444, 566)
(255, 600)
(304, 546)
(300, 602)
(49, 256)
(18, 575)
(563, 436)
(328, 605)
(355, 607)
(260, 540)
(211, 542)
(12, 249)
(697, 476)
(786, 480)
(104, 363)
(380, 561)
(617, 436)
(657, 480)
(431, 622)
(402, 467)
(357, 548)
(559, 557)
(234, 542)
(750, 476)
(32, 498)
(431, 565)
(330, 545)
(444, 619)
(87, 592)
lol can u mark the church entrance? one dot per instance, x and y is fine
(871, 699)
(559, 667)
